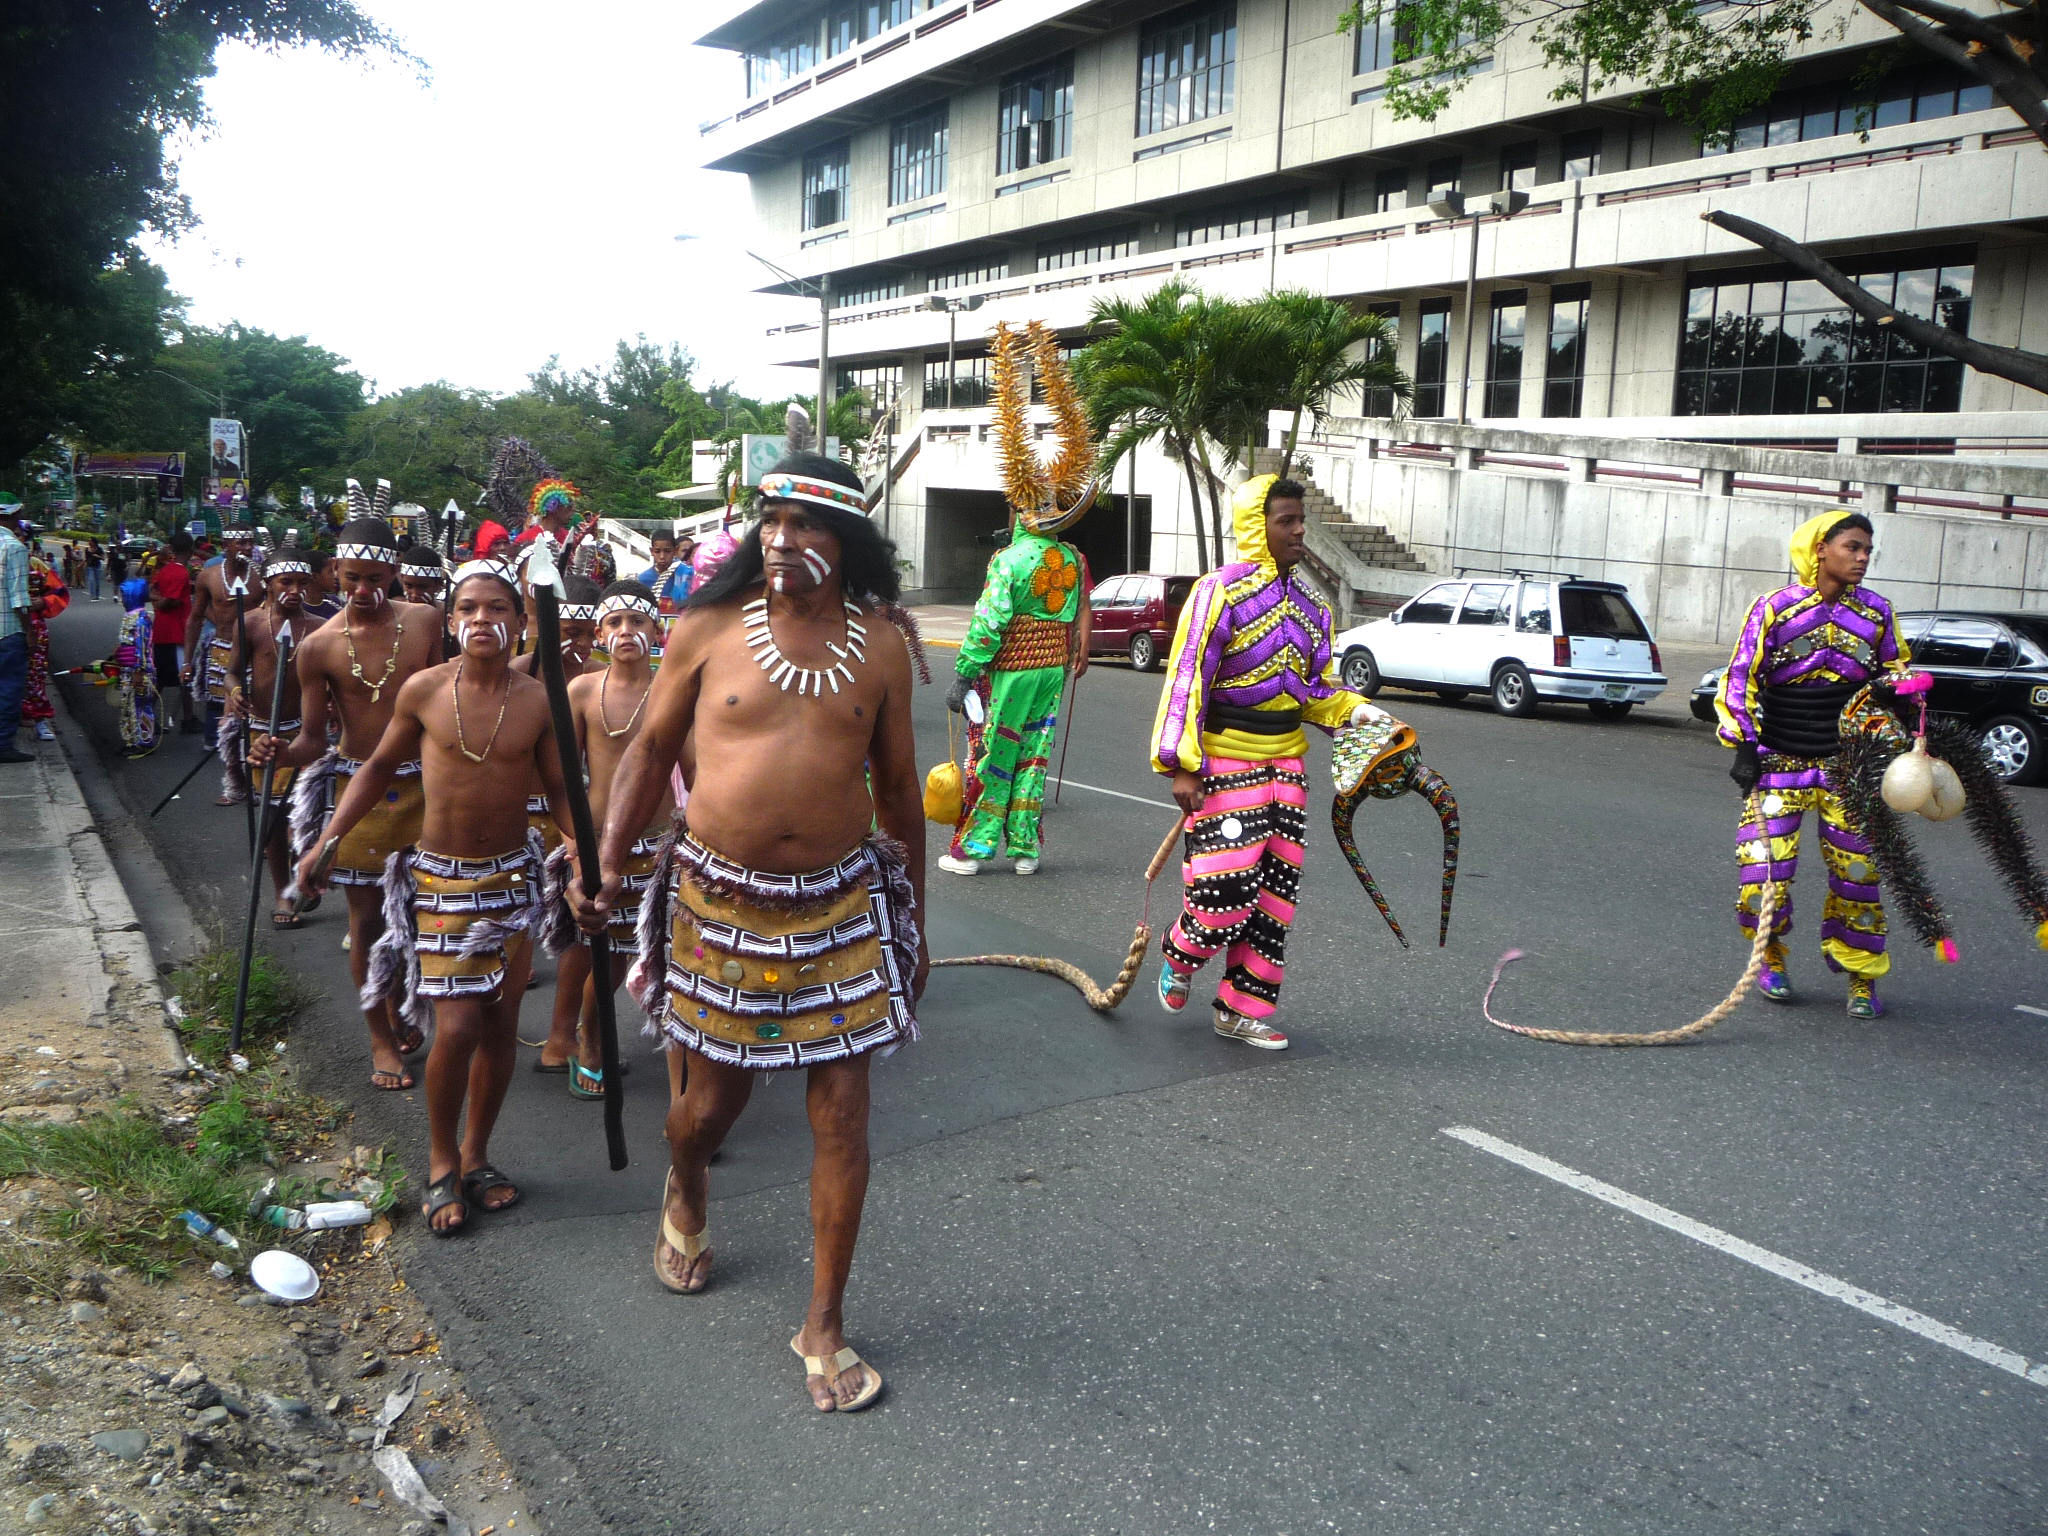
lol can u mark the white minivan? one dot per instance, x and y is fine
(1521, 638)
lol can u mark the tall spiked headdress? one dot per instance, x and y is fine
(1045, 497)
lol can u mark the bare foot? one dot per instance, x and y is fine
(687, 1275)
(830, 1394)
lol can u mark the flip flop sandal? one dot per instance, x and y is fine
(402, 1081)
(836, 1366)
(551, 1068)
(312, 903)
(584, 1083)
(441, 1194)
(689, 1245)
(479, 1182)
(286, 920)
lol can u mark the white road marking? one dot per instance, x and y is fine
(2039, 1013)
(1120, 794)
(1777, 1264)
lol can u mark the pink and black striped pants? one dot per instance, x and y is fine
(1240, 879)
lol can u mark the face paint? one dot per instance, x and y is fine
(627, 646)
(819, 566)
(464, 628)
(781, 537)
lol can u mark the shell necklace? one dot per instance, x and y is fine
(355, 665)
(783, 672)
(604, 717)
(455, 694)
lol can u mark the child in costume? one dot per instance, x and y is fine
(134, 664)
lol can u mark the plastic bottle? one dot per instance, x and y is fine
(322, 1214)
(204, 1226)
(283, 1216)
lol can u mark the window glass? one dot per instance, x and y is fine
(1581, 152)
(1600, 612)
(1443, 176)
(1486, 603)
(966, 274)
(1381, 402)
(1187, 67)
(1382, 39)
(1535, 615)
(1288, 211)
(1518, 167)
(1564, 370)
(1035, 116)
(1505, 328)
(1106, 245)
(917, 155)
(1436, 605)
(1432, 356)
(1963, 643)
(826, 174)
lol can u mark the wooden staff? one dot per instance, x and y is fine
(546, 582)
(284, 648)
(239, 591)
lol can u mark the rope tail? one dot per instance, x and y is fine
(1432, 786)
(1342, 812)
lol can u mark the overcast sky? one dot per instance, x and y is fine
(521, 202)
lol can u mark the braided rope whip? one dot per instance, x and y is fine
(1101, 999)
(1758, 949)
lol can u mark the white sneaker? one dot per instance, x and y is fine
(953, 866)
(1253, 1032)
(43, 731)
(1026, 866)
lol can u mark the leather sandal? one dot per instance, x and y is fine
(688, 1244)
(834, 1367)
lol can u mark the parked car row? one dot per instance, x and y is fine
(1990, 671)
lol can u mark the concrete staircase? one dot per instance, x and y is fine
(1351, 550)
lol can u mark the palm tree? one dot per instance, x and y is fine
(1331, 349)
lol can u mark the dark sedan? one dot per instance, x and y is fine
(1989, 669)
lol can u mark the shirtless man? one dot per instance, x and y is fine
(283, 615)
(796, 941)
(208, 672)
(608, 704)
(479, 731)
(355, 665)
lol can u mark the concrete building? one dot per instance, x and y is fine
(1032, 156)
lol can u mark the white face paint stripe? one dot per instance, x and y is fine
(781, 536)
(820, 567)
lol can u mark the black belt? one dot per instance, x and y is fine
(1253, 722)
(1804, 719)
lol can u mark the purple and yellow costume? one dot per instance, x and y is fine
(1801, 657)
(1251, 663)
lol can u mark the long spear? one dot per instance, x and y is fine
(239, 591)
(546, 581)
(284, 657)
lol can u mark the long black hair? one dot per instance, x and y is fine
(867, 560)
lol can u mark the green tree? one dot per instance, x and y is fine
(1709, 64)
(92, 94)
(1330, 350)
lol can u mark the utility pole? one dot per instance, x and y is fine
(954, 308)
(824, 359)
(1452, 205)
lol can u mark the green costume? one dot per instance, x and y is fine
(1018, 647)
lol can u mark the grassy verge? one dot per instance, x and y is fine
(206, 989)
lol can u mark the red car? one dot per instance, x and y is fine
(1135, 616)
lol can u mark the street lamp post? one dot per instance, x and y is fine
(1452, 205)
(954, 308)
(822, 287)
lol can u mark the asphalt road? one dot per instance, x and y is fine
(1124, 1277)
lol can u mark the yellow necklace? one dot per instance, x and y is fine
(455, 694)
(604, 717)
(355, 665)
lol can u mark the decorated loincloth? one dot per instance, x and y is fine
(220, 653)
(234, 754)
(542, 820)
(559, 931)
(386, 828)
(452, 927)
(773, 970)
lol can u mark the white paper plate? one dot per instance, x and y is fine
(284, 1275)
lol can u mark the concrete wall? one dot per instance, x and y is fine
(1692, 562)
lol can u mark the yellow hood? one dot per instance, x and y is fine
(1248, 521)
(1806, 543)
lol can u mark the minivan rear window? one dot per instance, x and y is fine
(1598, 611)
(1177, 590)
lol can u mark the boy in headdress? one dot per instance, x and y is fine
(282, 620)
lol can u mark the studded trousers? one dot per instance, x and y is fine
(1852, 929)
(1240, 879)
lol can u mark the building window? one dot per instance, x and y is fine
(1909, 96)
(1564, 370)
(1383, 39)
(1518, 167)
(917, 155)
(826, 175)
(970, 382)
(1432, 356)
(1504, 332)
(1187, 67)
(1105, 245)
(966, 274)
(878, 385)
(872, 291)
(1258, 218)
(1581, 154)
(1035, 117)
(1443, 177)
(1381, 402)
(850, 25)
(794, 53)
(1764, 342)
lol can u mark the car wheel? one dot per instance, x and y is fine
(1610, 709)
(1513, 691)
(1144, 654)
(1360, 672)
(2012, 745)
(1451, 695)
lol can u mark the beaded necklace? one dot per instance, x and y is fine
(355, 665)
(455, 694)
(782, 671)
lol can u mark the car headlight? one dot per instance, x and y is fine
(1710, 681)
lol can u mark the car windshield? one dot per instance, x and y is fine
(1600, 611)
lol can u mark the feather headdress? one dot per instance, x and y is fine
(1046, 498)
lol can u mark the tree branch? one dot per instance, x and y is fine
(2028, 368)
(2017, 85)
